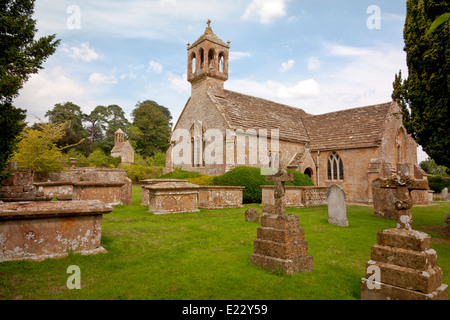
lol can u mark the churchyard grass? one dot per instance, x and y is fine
(205, 256)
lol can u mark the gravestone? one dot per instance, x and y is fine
(403, 265)
(280, 243)
(252, 215)
(447, 221)
(444, 194)
(337, 210)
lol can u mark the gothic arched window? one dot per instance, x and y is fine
(221, 62)
(335, 167)
(211, 58)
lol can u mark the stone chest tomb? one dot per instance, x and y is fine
(50, 229)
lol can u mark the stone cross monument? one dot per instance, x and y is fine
(280, 243)
(280, 190)
(403, 266)
(401, 185)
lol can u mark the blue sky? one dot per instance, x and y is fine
(318, 55)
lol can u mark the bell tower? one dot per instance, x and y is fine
(208, 62)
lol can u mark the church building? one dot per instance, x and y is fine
(349, 148)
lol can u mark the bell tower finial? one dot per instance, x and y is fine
(208, 60)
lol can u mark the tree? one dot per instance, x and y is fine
(150, 130)
(37, 150)
(439, 21)
(430, 167)
(115, 120)
(12, 124)
(21, 55)
(163, 109)
(424, 96)
(97, 119)
(72, 114)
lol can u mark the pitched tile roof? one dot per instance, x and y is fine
(247, 112)
(351, 128)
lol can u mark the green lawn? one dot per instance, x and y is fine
(205, 256)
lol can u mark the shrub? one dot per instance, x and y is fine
(437, 184)
(252, 180)
(138, 172)
(202, 181)
(300, 179)
(180, 174)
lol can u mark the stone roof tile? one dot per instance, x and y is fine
(247, 112)
(351, 128)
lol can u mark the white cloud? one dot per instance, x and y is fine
(285, 66)
(265, 10)
(313, 63)
(154, 67)
(81, 52)
(98, 78)
(179, 84)
(287, 92)
(236, 55)
(357, 76)
(47, 88)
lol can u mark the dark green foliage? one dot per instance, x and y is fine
(115, 119)
(150, 131)
(12, 123)
(300, 179)
(437, 184)
(252, 179)
(430, 167)
(21, 55)
(75, 132)
(425, 95)
(180, 174)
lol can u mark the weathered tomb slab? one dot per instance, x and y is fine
(43, 230)
(172, 197)
(220, 197)
(108, 192)
(146, 182)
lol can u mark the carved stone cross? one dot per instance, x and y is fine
(279, 194)
(404, 184)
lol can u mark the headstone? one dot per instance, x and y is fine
(447, 221)
(444, 194)
(252, 215)
(337, 210)
(280, 243)
(403, 265)
(268, 209)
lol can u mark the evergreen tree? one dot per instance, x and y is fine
(425, 95)
(150, 131)
(21, 55)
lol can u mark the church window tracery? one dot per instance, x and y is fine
(335, 167)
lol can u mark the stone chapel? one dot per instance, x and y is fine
(350, 148)
(122, 148)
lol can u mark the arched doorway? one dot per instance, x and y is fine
(308, 172)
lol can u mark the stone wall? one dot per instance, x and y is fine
(297, 197)
(19, 187)
(97, 175)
